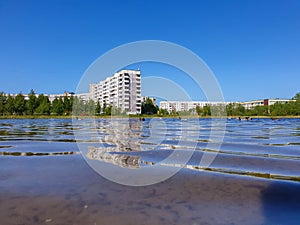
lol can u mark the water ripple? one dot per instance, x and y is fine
(261, 147)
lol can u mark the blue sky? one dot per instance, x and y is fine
(252, 47)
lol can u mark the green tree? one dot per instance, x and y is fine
(2, 103)
(44, 105)
(116, 111)
(297, 108)
(229, 109)
(71, 102)
(148, 107)
(293, 108)
(39, 99)
(297, 96)
(163, 112)
(91, 107)
(198, 110)
(19, 104)
(108, 110)
(104, 107)
(174, 112)
(278, 109)
(192, 112)
(217, 110)
(259, 111)
(68, 102)
(31, 103)
(239, 110)
(184, 113)
(206, 110)
(78, 107)
(58, 106)
(235, 109)
(98, 109)
(10, 105)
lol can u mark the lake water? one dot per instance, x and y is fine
(46, 177)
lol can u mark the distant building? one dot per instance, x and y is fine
(179, 106)
(264, 102)
(57, 96)
(24, 95)
(83, 96)
(122, 90)
(188, 105)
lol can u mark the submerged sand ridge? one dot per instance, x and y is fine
(64, 190)
(68, 192)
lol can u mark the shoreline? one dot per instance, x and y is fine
(143, 116)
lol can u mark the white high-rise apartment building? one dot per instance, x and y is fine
(122, 90)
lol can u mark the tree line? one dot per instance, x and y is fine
(41, 105)
(291, 108)
(235, 109)
(62, 106)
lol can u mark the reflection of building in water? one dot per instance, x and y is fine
(124, 135)
(119, 136)
(118, 159)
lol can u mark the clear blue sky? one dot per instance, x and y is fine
(252, 46)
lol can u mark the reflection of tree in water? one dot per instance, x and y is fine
(118, 136)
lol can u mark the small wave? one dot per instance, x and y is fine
(37, 153)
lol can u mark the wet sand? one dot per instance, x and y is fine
(65, 190)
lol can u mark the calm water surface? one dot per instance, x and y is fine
(254, 178)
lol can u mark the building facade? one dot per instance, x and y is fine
(180, 106)
(188, 105)
(83, 96)
(263, 102)
(122, 90)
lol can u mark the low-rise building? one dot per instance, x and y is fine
(83, 96)
(188, 105)
(180, 106)
(263, 102)
(57, 96)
